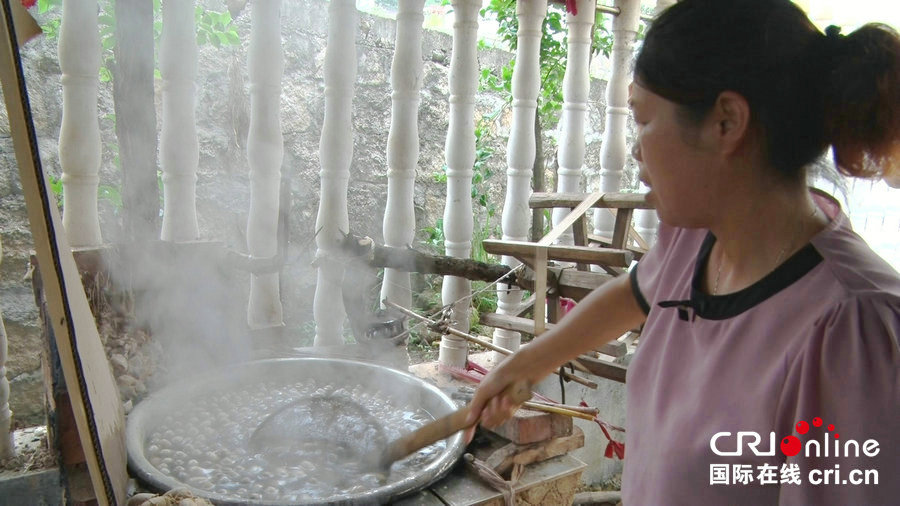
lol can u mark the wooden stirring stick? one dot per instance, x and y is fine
(442, 428)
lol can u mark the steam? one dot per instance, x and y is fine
(190, 302)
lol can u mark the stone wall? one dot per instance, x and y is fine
(223, 185)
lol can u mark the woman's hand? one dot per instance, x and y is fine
(498, 396)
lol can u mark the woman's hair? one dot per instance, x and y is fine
(807, 90)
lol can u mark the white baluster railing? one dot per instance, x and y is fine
(576, 87)
(613, 151)
(265, 151)
(646, 222)
(7, 445)
(399, 224)
(335, 154)
(79, 135)
(179, 148)
(460, 154)
(520, 153)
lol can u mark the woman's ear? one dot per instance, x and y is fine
(731, 114)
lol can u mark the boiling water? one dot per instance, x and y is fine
(205, 443)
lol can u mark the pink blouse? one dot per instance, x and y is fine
(732, 399)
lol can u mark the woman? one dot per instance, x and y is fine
(766, 319)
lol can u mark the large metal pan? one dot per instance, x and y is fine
(390, 386)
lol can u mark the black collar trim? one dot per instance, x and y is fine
(721, 307)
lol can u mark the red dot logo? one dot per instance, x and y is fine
(802, 427)
(817, 422)
(837, 436)
(831, 426)
(790, 446)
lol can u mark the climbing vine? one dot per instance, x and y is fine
(552, 56)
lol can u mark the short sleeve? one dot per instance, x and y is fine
(645, 275)
(848, 378)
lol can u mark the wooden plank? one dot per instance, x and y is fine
(420, 498)
(25, 26)
(637, 251)
(587, 202)
(553, 309)
(96, 405)
(569, 283)
(545, 200)
(580, 234)
(622, 228)
(526, 306)
(524, 325)
(502, 459)
(604, 369)
(566, 253)
(461, 488)
(540, 290)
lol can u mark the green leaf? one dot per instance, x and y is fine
(233, 38)
(554, 23)
(56, 186)
(105, 75)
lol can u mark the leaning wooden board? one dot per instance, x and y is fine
(94, 397)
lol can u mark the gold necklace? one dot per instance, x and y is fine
(781, 253)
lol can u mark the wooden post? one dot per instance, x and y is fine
(540, 258)
(576, 87)
(613, 151)
(335, 155)
(520, 153)
(460, 154)
(79, 134)
(179, 148)
(133, 85)
(399, 224)
(265, 151)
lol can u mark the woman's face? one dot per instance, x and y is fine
(675, 159)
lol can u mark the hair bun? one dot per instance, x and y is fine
(832, 31)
